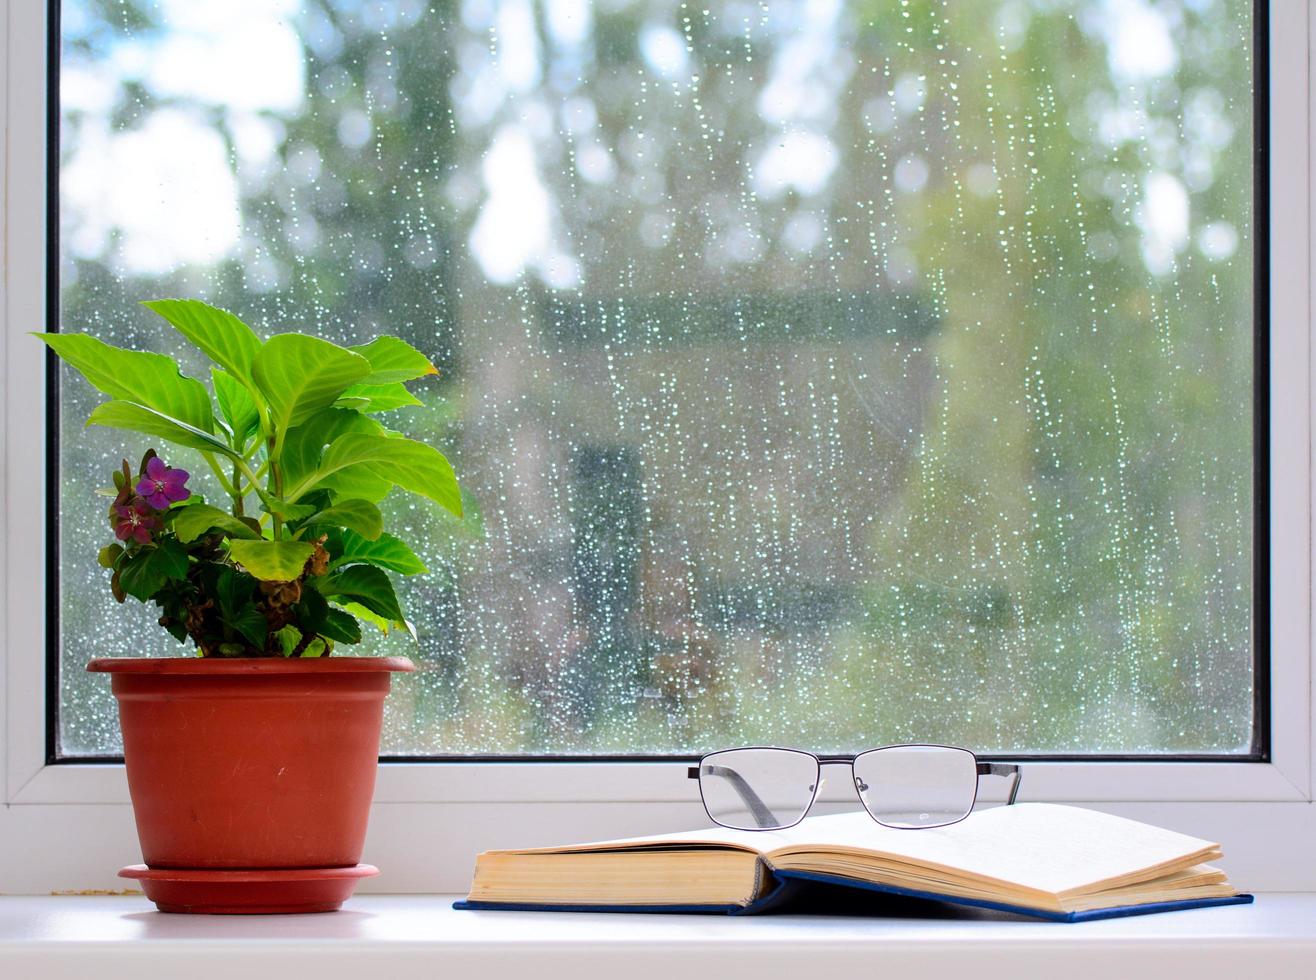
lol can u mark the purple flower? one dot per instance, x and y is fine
(162, 486)
(135, 521)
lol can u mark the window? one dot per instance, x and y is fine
(818, 374)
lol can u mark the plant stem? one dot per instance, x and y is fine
(241, 464)
(229, 488)
(239, 508)
(276, 481)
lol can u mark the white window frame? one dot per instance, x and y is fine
(70, 826)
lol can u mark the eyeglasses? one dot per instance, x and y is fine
(906, 787)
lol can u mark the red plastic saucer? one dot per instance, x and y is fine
(268, 891)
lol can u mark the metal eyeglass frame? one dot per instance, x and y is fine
(765, 818)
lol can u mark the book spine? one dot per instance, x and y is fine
(773, 891)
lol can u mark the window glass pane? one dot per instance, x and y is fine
(822, 374)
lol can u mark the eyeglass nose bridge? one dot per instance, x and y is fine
(816, 788)
(859, 784)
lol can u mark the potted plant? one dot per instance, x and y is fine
(251, 766)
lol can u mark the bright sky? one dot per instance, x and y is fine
(167, 185)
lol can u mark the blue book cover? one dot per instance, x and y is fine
(809, 893)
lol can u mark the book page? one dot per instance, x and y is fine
(688, 876)
(1042, 847)
(1038, 846)
(759, 842)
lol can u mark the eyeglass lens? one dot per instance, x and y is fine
(909, 786)
(758, 789)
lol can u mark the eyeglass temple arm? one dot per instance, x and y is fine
(1007, 769)
(764, 817)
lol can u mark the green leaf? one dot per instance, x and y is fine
(393, 360)
(234, 590)
(176, 629)
(299, 375)
(365, 584)
(236, 405)
(251, 626)
(360, 516)
(318, 647)
(361, 612)
(146, 572)
(191, 522)
(312, 610)
(347, 548)
(355, 461)
(305, 444)
(272, 561)
(139, 418)
(381, 623)
(287, 511)
(108, 556)
(341, 626)
(288, 638)
(141, 377)
(222, 337)
(378, 398)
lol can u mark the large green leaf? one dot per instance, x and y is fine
(360, 516)
(383, 624)
(139, 418)
(361, 612)
(299, 375)
(272, 561)
(236, 405)
(394, 360)
(141, 377)
(190, 523)
(379, 398)
(355, 458)
(287, 511)
(314, 615)
(385, 552)
(365, 584)
(361, 483)
(222, 337)
(144, 573)
(341, 626)
(305, 444)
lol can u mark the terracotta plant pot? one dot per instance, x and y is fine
(260, 766)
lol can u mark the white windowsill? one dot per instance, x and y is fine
(52, 938)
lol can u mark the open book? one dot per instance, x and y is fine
(1040, 859)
